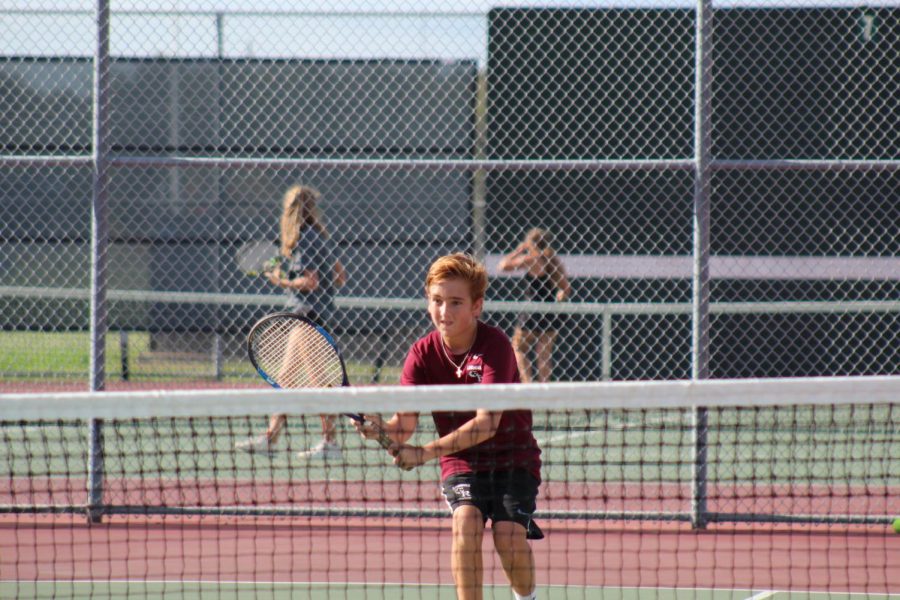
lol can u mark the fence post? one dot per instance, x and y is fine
(700, 283)
(479, 177)
(99, 254)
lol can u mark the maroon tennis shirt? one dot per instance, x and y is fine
(490, 360)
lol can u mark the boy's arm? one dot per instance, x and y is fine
(399, 428)
(473, 432)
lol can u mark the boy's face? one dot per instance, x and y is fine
(452, 309)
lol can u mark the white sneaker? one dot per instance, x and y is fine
(324, 450)
(259, 443)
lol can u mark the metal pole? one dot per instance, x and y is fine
(700, 295)
(218, 351)
(220, 40)
(606, 347)
(218, 342)
(99, 252)
(479, 177)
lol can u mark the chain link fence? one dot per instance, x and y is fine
(429, 132)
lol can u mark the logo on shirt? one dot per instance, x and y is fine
(475, 367)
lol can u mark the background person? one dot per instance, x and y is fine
(545, 281)
(315, 272)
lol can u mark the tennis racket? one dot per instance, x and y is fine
(257, 258)
(291, 351)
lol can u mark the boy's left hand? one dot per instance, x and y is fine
(409, 457)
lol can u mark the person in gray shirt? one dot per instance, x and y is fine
(314, 274)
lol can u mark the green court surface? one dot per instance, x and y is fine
(360, 591)
(842, 445)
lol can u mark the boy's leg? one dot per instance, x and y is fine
(515, 556)
(465, 556)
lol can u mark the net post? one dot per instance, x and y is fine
(95, 471)
(700, 425)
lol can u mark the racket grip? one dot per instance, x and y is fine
(383, 439)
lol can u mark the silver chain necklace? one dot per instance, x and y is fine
(459, 367)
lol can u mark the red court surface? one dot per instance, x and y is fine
(837, 559)
(795, 499)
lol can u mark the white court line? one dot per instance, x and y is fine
(761, 595)
(563, 436)
(614, 427)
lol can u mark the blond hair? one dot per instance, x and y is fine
(459, 266)
(299, 210)
(541, 239)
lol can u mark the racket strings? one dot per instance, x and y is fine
(256, 258)
(298, 355)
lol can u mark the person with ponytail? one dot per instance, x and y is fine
(314, 274)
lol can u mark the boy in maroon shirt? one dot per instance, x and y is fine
(490, 461)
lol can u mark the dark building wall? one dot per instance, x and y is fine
(788, 83)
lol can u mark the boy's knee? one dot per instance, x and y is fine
(509, 537)
(468, 525)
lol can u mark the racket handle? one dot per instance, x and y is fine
(383, 439)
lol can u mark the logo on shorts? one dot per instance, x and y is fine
(463, 491)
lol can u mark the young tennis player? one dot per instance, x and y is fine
(490, 461)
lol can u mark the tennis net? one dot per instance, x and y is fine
(729, 488)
